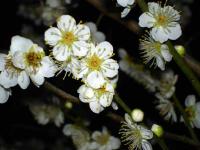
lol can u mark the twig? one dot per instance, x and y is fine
(50, 87)
(194, 64)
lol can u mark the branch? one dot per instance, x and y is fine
(62, 94)
(194, 64)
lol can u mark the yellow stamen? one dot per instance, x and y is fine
(94, 62)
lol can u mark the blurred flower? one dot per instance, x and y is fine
(68, 39)
(192, 110)
(10, 74)
(54, 3)
(163, 21)
(154, 51)
(166, 108)
(97, 36)
(127, 6)
(104, 141)
(134, 135)
(97, 65)
(137, 115)
(30, 57)
(4, 94)
(45, 113)
(97, 98)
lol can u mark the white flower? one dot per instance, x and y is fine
(192, 110)
(166, 108)
(54, 3)
(155, 51)
(104, 141)
(68, 38)
(125, 3)
(30, 57)
(134, 135)
(4, 94)
(125, 12)
(47, 113)
(97, 98)
(96, 35)
(163, 21)
(97, 65)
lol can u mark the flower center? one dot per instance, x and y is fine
(190, 111)
(69, 38)
(161, 20)
(33, 58)
(9, 66)
(103, 138)
(101, 91)
(157, 46)
(94, 62)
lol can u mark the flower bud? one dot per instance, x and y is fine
(68, 105)
(180, 50)
(157, 130)
(137, 115)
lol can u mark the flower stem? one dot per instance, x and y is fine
(187, 122)
(161, 142)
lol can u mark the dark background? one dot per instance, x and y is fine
(17, 125)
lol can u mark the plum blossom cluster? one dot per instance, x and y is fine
(163, 22)
(96, 141)
(75, 53)
(25, 61)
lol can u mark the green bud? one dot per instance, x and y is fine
(180, 50)
(157, 130)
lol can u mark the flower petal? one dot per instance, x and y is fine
(146, 145)
(165, 53)
(92, 26)
(125, 12)
(37, 79)
(96, 107)
(104, 50)
(146, 134)
(19, 43)
(110, 68)
(99, 37)
(52, 36)
(80, 48)
(174, 32)
(159, 34)
(160, 63)
(8, 80)
(2, 61)
(4, 95)
(18, 60)
(95, 79)
(66, 23)
(61, 52)
(82, 32)
(153, 7)
(190, 100)
(106, 99)
(23, 80)
(123, 3)
(146, 20)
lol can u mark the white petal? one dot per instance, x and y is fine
(37, 79)
(114, 142)
(110, 68)
(82, 32)
(4, 95)
(190, 100)
(95, 79)
(146, 20)
(19, 43)
(61, 52)
(130, 2)
(96, 135)
(104, 50)
(80, 48)
(172, 12)
(128, 119)
(48, 68)
(125, 12)
(165, 53)
(18, 60)
(2, 61)
(146, 134)
(92, 26)
(159, 34)
(23, 80)
(160, 63)
(52, 36)
(174, 32)
(106, 100)
(8, 80)
(95, 107)
(146, 145)
(153, 7)
(198, 107)
(123, 3)
(66, 23)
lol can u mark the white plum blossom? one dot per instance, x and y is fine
(30, 57)
(166, 108)
(68, 39)
(10, 75)
(104, 141)
(155, 52)
(163, 21)
(44, 114)
(4, 94)
(134, 135)
(192, 110)
(127, 4)
(96, 35)
(97, 65)
(97, 98)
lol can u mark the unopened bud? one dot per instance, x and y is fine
(137, 115)
(180, 50)
(157, 130)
